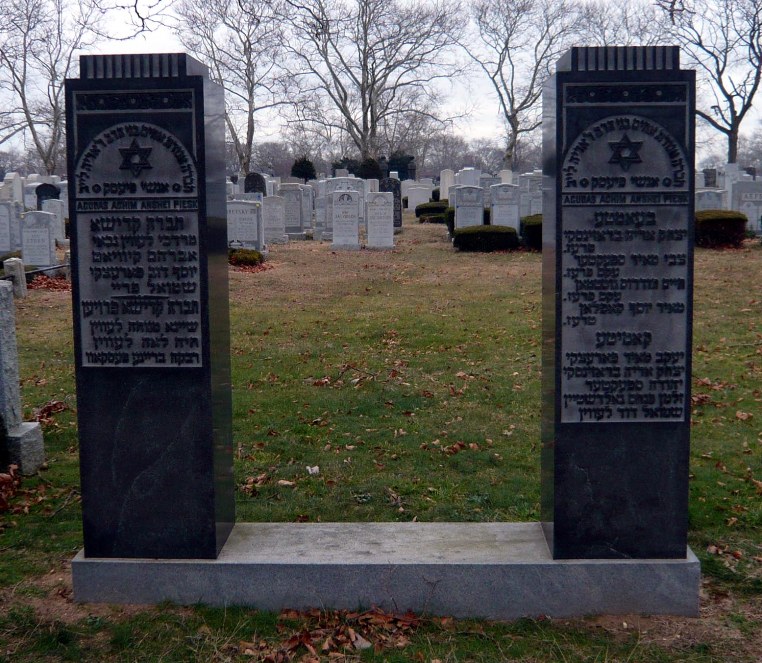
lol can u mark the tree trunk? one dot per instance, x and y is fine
(733, 145)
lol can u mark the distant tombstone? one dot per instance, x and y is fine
(45, 192)
(345, 220)
(417, 195)
(710, 177)
(618, 226)
(57, 207)
(747, 199)
(446, 180)
(341, 172)
(249, 197)
(274, 220)
(245, 227)
(308, 197)
(486, 181)
(151, 317)
(504, 200)
(8, 218)
(469, 207)
(710, 199)
(320, 208)
(380, 220)
(291, 192)
(394, 175)
(392, 185)
(254, 183)
(506, 176)
(30, 195)
(468, 176)
(13, 188)
(38, 239)
(700, 180)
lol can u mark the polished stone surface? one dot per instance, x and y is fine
(490, 570)
(152, 329)
(618, 149)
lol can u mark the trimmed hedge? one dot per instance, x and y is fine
(531, 231)
(449, 219)
(435, 195)
(426, 209)
(719, 228)
(485, 238)
(432, 218)
(245, 257)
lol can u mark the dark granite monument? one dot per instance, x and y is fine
(151, 326)
(617, 298)
(254, 183)
(45, 192)
(393, 186)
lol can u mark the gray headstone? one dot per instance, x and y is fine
(274, 220)
(392, 185)
(379, 212)
(245, 227)
(345, 220)
(38, 239)
(505, 205)
(469, 206)
(617, 289)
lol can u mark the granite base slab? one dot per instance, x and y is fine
(488, 570)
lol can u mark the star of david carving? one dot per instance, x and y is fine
(625, 152)
(135, 158)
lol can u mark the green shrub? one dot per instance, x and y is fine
(245, 257)
(485, 238)
(435, 194)
(716, 228)
(487, 216)
(404, 202)
(430, 208)
(432, 218)
(449, 215)
(530, 229)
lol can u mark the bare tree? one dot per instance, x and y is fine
(723, 39)
(38, 42)
(637, 22)
(365, 63)
(241, 42)
(516, 43)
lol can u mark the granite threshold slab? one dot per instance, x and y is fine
(487, 570)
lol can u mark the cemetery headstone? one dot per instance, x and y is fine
(505, 205)
(245, 227)
(379, 212)
(617, 290)
(320, 207)
(308, 195)
(446, 180)
(57, 207)
(346, 220)
(274, 220)
(392, 185)
(146, 157)
(23, 440)
(13, 188)
(14, 267)
(747, 199)
(417, 195)
(38, 239)
(46, 191)
(8, 218)
(469, 206)
(254, 183)
(291, 192)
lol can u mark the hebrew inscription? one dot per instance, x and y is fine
(138, 247)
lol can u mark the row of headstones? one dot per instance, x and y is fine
(734, 190)
(31, 191)
(320, 210)
(470, 201)
(35, 233)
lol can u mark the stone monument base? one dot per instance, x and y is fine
(487, 570)
(25, 447)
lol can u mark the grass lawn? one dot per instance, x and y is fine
(411, 379)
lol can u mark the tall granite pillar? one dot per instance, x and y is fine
(149, 275)
(617, 303)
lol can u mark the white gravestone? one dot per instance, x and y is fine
(320, 207)
(506, 176)
(245, 227)
(274, 220)
(292, 197)
(58, 208)
(13, 188)
(747, 199)
(8, 218)
(469, 207)
(379, 213)
(417, 195)
(308, 197)
(505, 205)
(38, 242)
(346, 220)
(468, 176)
(446, 180)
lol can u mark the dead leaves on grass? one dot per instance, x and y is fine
(43, 282)
(335, 635)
